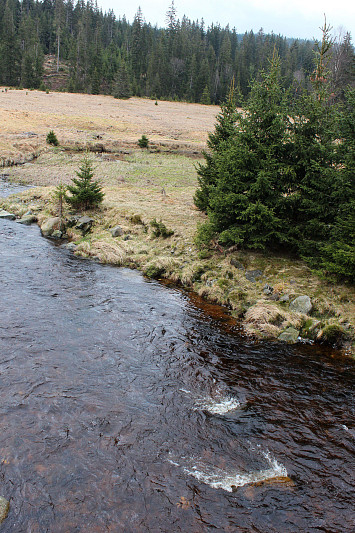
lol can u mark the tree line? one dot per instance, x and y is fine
(279, 176)
(184, 61)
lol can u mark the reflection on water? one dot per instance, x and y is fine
(125, 407)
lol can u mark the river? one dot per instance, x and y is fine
(130, 406)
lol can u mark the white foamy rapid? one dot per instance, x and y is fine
(219, 406)
(220, 479)
(348, 430)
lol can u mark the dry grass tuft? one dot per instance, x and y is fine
(269, 319)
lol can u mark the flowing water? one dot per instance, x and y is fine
(129, 406)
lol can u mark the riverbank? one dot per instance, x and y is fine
(158, 184)
(258, 290)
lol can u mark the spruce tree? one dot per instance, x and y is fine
(338, 254)
(314, 159)
(216, 143)
(85, 193)
(242, 182)
(122, 87)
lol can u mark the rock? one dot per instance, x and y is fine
(268, 289)
(126, 237)
(333, 334)
(253, 275)
(70, 246)
(4, 508)
(275, 297)
(237, 264)
(57, 234)
(117, 231)
(84, 224)
(27, 220)
(290, 335)
(302, 304)
(285, 298)
(6, 215)
(72, 221)
(50, 225)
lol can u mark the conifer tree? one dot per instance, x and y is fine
(84, 192)
(224, 130)
(122, 87)
(242, 182)
(313, 156)
(338, 254)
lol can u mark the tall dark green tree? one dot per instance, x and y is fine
(121, 84)
(338, 253)
(10, 55)
(245, 192)
(217, 142)
(314, 158)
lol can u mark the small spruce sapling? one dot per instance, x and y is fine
(85, 192)
(143, 142)
(52, 138)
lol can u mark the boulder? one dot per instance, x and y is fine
(290, 335)
(4, 508)
(27, 220)
(6, 215)
(84, 224)
(50, 225)
(302, 304)
(285, 298)
(117, 231)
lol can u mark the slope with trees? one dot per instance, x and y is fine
(184, 61)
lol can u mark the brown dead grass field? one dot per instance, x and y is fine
(154, 184)
(27, 116)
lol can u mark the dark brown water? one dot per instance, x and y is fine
(126, 407)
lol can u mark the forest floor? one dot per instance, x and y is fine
(158, 183)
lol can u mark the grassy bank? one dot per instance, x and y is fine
(141, 186)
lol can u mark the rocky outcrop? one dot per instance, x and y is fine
(302, 304)
(84, 224)
(6, 215)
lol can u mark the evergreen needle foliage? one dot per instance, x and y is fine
(85, 193)
(52, 138)
(280, 176)
(143, 142)
(160, 230)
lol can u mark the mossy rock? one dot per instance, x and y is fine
(154, 271)
(290, 335)
(333, 334)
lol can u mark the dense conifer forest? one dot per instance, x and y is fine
(186, 60)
